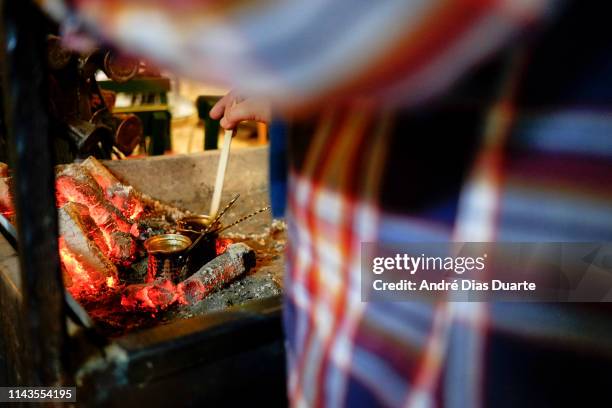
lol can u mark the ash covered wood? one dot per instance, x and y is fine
(149, 297)
(76, 222)
(118, 246)
(75, 184)
(86, 268)
(129, 201)
(123, 197)
(161, 293)
(236, 260)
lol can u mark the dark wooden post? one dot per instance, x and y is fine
(31, 153)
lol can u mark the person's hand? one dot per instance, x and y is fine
(232, 109)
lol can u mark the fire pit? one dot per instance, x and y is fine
(199, 354)
(219, 327)
(129, 258)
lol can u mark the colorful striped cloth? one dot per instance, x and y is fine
(343, 352)
(518, 150)
(299, 53)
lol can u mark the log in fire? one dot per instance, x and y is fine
(103, 225)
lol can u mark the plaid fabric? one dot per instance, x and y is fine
(529, 161)
(515, 165)
(303, 52)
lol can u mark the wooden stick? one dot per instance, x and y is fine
(223, 159)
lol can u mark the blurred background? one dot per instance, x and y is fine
(188, 103)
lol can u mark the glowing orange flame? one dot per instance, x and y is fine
(79, 276)
(135, 211)
(85, 282)
(107, 238)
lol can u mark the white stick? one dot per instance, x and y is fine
(223, 159)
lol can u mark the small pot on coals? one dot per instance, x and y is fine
(168, 257)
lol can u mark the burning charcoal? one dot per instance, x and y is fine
(149, 297)
(116, 245)
(162, 293)
(129, 201)
(122, 247)
(74, 219)
(221, 245)
(236, 260)
(6, 197)
(86, 268)
(122, 196)
(74, 184)
(6, 192)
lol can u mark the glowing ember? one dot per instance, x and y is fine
(107, 239)
(83, 281)
(106, 216)
(8, 214)
(123, 197)
(136, 211)
(134, 231)
(111, 225)
(99, 232)
(150, 297)
(79, 277)
(6, 196)
(222, 244)
(160, 294)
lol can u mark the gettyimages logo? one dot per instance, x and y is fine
(414, 264)
(487, 271)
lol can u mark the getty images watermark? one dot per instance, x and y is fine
(478, 271)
